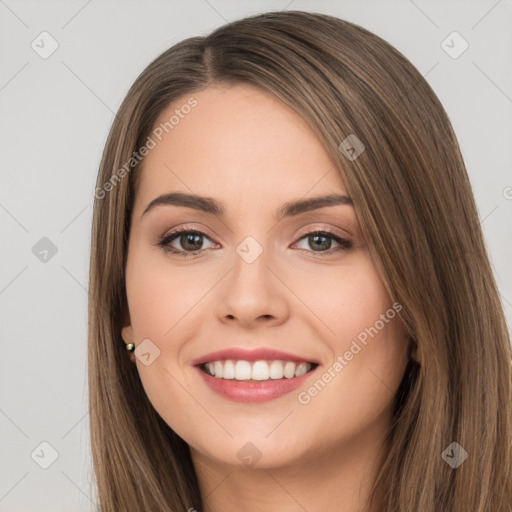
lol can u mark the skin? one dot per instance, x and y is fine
(249, 151)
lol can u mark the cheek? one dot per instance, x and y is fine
(160, 297)
(161, 303)
(346, 299)
(356, 319)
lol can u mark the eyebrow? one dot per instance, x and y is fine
(210, 205)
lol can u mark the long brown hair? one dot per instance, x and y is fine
(416, 209)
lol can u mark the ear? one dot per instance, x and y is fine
(127, 330)
(127, 334)
(415, 351)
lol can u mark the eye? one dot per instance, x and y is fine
(190, 241)
(321, 242)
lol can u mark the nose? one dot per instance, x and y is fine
(252, 294)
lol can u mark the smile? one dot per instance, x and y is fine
(256, 371)
(258, 381)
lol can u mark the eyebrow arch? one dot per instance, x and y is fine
(209, 205)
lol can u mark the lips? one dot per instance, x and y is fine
(252, 355)
(261, 389)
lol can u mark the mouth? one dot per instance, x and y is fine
(256, 371)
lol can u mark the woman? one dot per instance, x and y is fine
(286, 241)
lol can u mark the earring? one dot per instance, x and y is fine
(130, 347)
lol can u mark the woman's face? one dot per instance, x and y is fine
(254, 279)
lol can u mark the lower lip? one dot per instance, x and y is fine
(240, 391)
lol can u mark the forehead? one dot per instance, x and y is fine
(236, 143)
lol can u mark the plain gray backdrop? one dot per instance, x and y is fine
(64, 70)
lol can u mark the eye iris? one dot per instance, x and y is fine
(313, 239)
(186, 238)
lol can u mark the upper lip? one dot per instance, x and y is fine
(258, 354)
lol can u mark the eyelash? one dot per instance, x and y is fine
(164, 243)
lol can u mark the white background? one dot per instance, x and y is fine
(55, 115)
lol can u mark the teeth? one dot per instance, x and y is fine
(228, 372)
(258, 370)
(301, 369)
